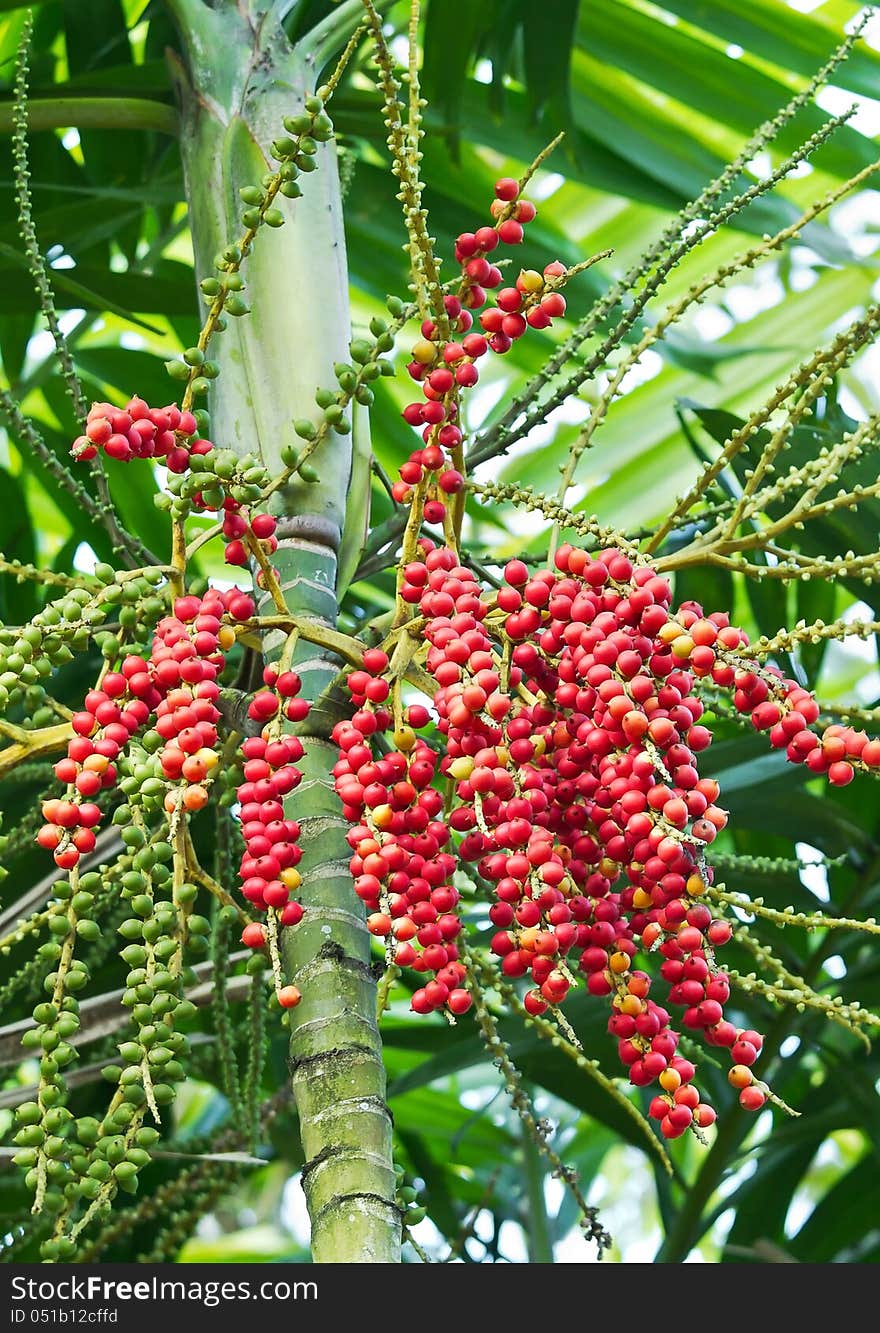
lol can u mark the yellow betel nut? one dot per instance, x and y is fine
(530, 280)
(424, 352)
(670, 1080)
(290, 878)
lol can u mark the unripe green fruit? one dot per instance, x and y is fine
(88, 931)
(56, 1119)
(251, 194)
(28, 1113)
(29, 1137)
(134, 954)
(111, 1073)
(87, 1130)
(131, 1051)
(299, 124)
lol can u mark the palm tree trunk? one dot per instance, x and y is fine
(242, 78)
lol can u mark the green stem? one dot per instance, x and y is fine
(537, 1223)
(242, 80)
(95, 113)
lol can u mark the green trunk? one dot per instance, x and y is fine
(242, 79)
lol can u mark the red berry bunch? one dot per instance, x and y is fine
(188, 653)
(572, 732)
(401, 863)
(140, 431)
(177, 689)
(268, 867)
(444, 366)
(783, 708)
